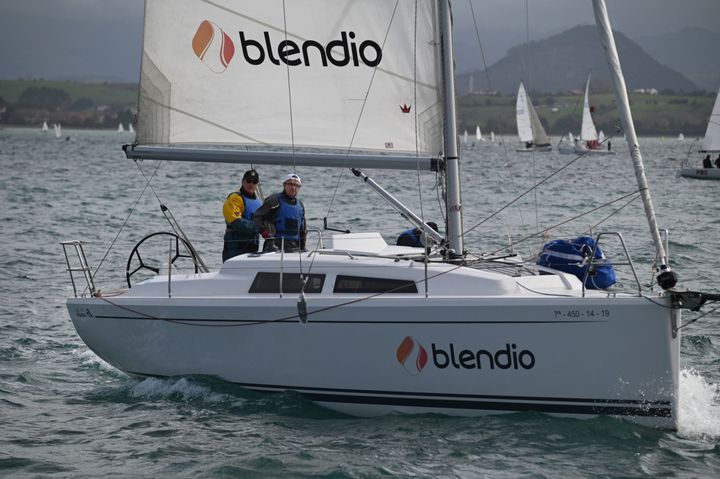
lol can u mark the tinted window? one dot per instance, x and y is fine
(292, 283)
(359, 284)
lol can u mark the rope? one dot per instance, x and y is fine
(132, 210)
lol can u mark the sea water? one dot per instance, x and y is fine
(66, 413)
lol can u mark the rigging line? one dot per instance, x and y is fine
(589, 230)
(490, 88)
(132, 210)
(146, 179)
(538, 233)
(362, 109)
(568, 164)
(292, 133)
(415, 116)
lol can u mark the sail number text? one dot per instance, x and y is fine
(582, 313)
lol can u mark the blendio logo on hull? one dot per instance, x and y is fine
(482, 359)
(340, 52)
(413, 357)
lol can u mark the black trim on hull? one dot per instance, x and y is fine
(606, 407)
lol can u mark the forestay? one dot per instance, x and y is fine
(359, 76)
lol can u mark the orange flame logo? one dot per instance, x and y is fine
(213, 46)
(412, 355)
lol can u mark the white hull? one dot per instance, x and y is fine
(701, 173)
(582, 151)
(568, 355)
(538, 149)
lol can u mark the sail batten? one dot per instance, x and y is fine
(225, 73)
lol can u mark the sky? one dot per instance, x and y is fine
(101, 39)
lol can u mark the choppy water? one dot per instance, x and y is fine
(65, 413)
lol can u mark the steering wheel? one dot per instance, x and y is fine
(158, 247)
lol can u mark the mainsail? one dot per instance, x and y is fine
(587, 132)
(528, 123)
(711, 143)
(276, 74)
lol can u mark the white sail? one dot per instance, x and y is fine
(571, 138)
(528, 123)
(343, 80)
(478, 134)
(522, 115)
(681, 137)
(465, 137)
(492, 136)
(711, 143)
(120, 128)
(587, 131)
(44, 127)
(130, 128)
(58, 130)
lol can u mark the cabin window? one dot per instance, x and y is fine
(291, 283)
(359, 284)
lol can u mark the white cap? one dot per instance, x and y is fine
(292, 176)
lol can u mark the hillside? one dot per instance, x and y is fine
(561, 63)
(693, 51)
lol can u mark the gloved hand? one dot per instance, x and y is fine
(265, 234)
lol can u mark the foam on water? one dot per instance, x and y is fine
(183, 388)
(699, 414)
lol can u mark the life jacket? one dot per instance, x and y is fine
(409, 237)
(250, 204)
(288, 221)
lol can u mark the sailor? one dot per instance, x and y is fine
(706, 161)
(717, 161)
(281, 218)
(241, 236)
(414, 236)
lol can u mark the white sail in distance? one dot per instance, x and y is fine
(522, 114)
(587, 130)
(232, 73)
(711, 142)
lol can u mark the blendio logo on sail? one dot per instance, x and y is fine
(482, 359)
(338, 52)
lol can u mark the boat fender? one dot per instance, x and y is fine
(573, 255)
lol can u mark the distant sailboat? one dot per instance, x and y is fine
(530, 130)
(590, 140)
(130, 128)
(478, 134)
(120, 128)
(492, 136)
(58, 130)
(44, 127)
(465, 138)
(710, 145)
(681, 137)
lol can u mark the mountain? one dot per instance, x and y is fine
(560, 63)
(693, 51)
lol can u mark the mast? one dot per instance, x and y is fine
(667, 279)
(452, 164)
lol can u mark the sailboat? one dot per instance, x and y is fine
(355, 324)
(120, 128)
(590, 141)
(478, 134)
(130, 128)
(44, 127)
(58, 130)
(710, 146)
(530, 131)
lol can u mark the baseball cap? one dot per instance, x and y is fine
(292, 177)
(251, 176)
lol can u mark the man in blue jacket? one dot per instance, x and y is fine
(281, 218)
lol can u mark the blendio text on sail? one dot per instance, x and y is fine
(339, 52)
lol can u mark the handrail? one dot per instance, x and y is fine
(83, 266)
(627, 255)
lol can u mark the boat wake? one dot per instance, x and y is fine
(699, 414)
